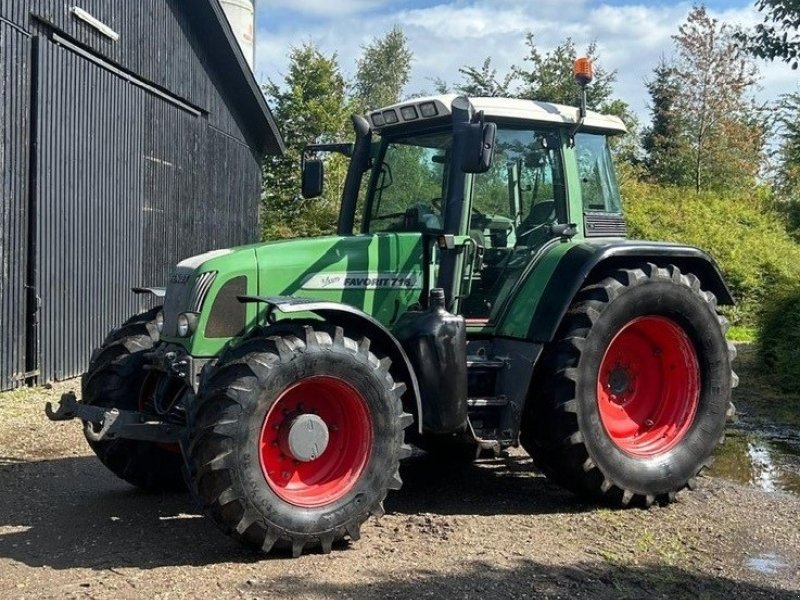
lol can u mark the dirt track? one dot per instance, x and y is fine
(69, 529)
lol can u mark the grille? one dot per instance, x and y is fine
(182, 297)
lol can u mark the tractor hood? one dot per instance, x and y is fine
(337, 269)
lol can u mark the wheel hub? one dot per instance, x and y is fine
(619, 381)
(305, 437)
(316, 441)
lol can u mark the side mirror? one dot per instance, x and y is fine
(480, 144)
(313, 178)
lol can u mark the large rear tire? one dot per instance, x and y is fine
(635, 390)
(117, 378)
(296, 439)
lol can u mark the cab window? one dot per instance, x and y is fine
(599, 186)
(409, 183)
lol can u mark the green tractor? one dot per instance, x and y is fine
(487, 298)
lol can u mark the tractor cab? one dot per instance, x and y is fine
(482, 222)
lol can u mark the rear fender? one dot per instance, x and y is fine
(352, 319)
(588, 261)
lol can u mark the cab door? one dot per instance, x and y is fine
(513, 209)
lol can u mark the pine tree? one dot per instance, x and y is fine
(666, 158)
(789, 154)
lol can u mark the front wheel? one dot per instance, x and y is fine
(296, 439)
(636, 389)
(117, 377)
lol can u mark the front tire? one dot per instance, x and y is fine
(117, 378)
(635, 390)
(295, 440)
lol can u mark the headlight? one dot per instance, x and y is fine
(160, 321)
(187, 323)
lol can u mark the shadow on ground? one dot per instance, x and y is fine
(530, 579)
(71, 512)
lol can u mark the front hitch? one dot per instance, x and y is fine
(102, 424)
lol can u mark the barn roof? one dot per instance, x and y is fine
(236, 76)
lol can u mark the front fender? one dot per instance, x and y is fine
(547, 303)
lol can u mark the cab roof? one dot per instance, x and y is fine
(433, 107)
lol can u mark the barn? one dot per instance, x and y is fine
(132, 136)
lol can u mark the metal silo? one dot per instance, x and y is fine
(241, 15)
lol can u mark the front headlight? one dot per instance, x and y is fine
(187, 322)
(160, 321)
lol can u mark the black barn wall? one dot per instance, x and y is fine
(141, 160)
(15, 123)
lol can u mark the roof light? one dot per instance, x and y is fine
(409, 113)
(428, 109)
(584, 73)
(390, 116)
(378, 120)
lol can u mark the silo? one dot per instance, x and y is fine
(241, 15)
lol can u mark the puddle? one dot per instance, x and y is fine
(768, 564)
(767, 458)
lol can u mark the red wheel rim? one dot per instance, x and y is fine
(648, 387)
(331, 475)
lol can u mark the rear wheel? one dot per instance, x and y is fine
(117, 378)
(296, 439)
(635, 391)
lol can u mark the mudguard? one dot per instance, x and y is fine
(348, 316)
(584, 260)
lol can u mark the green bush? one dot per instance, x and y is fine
(779, 339)
(738, 229)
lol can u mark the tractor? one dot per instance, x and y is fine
(480, 294)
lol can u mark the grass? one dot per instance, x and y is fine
(758, 394)
(742, 334)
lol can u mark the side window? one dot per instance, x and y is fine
(410, 183)
(599, 186)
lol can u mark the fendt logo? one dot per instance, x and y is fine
(179, 278)
(364, 281)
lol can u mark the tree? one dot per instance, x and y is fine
(724, 132)
(383, 71)
(310, 106)
(778, 36)
(549, 77)
(789, 153)
(483, 82)
(666, 157)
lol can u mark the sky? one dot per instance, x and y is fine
(446, 35)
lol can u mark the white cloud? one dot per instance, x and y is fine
(447, 36)
(323, 8)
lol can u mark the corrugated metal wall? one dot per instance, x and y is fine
(15, 77)
(125, 181)
(211, 207)
(156, 42)
(89, 232)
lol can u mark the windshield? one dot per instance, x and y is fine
(409, 184)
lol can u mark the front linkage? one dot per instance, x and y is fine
(105, 425)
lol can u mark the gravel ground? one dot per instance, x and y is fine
(69, 529)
